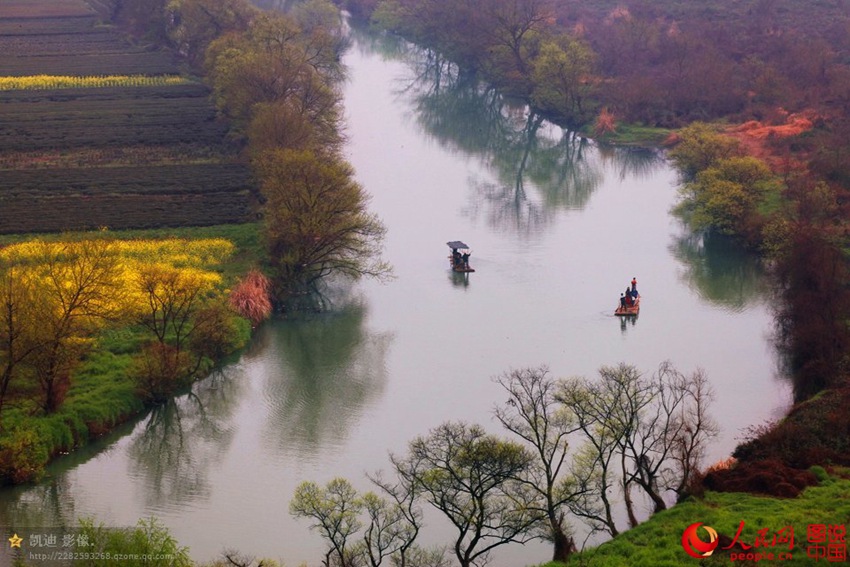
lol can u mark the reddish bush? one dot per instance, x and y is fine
(815, 432)
(250, 297)
(605, 122)
(770, 477)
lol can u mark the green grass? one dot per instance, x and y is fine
(635, 135)
(657, 542)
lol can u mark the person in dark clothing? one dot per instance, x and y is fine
(622, 301)
(465, 259)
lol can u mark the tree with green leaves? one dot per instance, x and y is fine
(729, 196)
(334, 510)
(274, 61)
(561, 72)
(316, 221)
(471, 477)
(390, 526)
(700, 147)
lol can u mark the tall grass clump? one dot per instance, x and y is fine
(251, 297)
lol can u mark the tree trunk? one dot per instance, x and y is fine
(627, 493)
(630, 508)
(564, 544)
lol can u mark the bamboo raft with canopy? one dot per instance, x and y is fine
(459, 258)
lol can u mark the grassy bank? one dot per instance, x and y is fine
(658, 541)
(102, 391)
(633, 135)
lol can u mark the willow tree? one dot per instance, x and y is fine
(316, 220)
(470, 476)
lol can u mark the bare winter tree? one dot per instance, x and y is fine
(657, 427)
(590, 404)
(534, 415)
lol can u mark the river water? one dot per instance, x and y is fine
(558, 227)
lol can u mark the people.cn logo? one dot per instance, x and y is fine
(694, 546)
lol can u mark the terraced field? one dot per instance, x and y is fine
(116, 156)
(71, 45)
(108, 117)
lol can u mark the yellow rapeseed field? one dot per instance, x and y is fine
(40, 82)
(189, 263)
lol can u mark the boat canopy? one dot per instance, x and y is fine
(457, 244)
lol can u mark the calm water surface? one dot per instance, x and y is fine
(558, 227)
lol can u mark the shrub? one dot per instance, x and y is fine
(160, 370)
(770, 477)
(251, 297)
(22, 456)
(216, 333)
(149, 544)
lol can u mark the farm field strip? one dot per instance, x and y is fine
(47, 25)
(43, 82)
(167, 179)
(143, 63)
(34, 9)
(75, 213)
(143, 155)
(188, 90)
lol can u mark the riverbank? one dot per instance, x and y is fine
(751, 529)
(791, 212)
(105, 388)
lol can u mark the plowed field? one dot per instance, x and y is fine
(117, 157)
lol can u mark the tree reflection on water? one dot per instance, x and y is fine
(328, 368)
(534, 168)
(175, 471)
(720, 270)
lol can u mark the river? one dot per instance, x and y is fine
(558, 227)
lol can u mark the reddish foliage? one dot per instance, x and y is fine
(760, 139)
(251, 297)
(605, 122)
(776, 462)
(772, 477)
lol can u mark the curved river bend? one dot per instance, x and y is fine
(558, 228)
